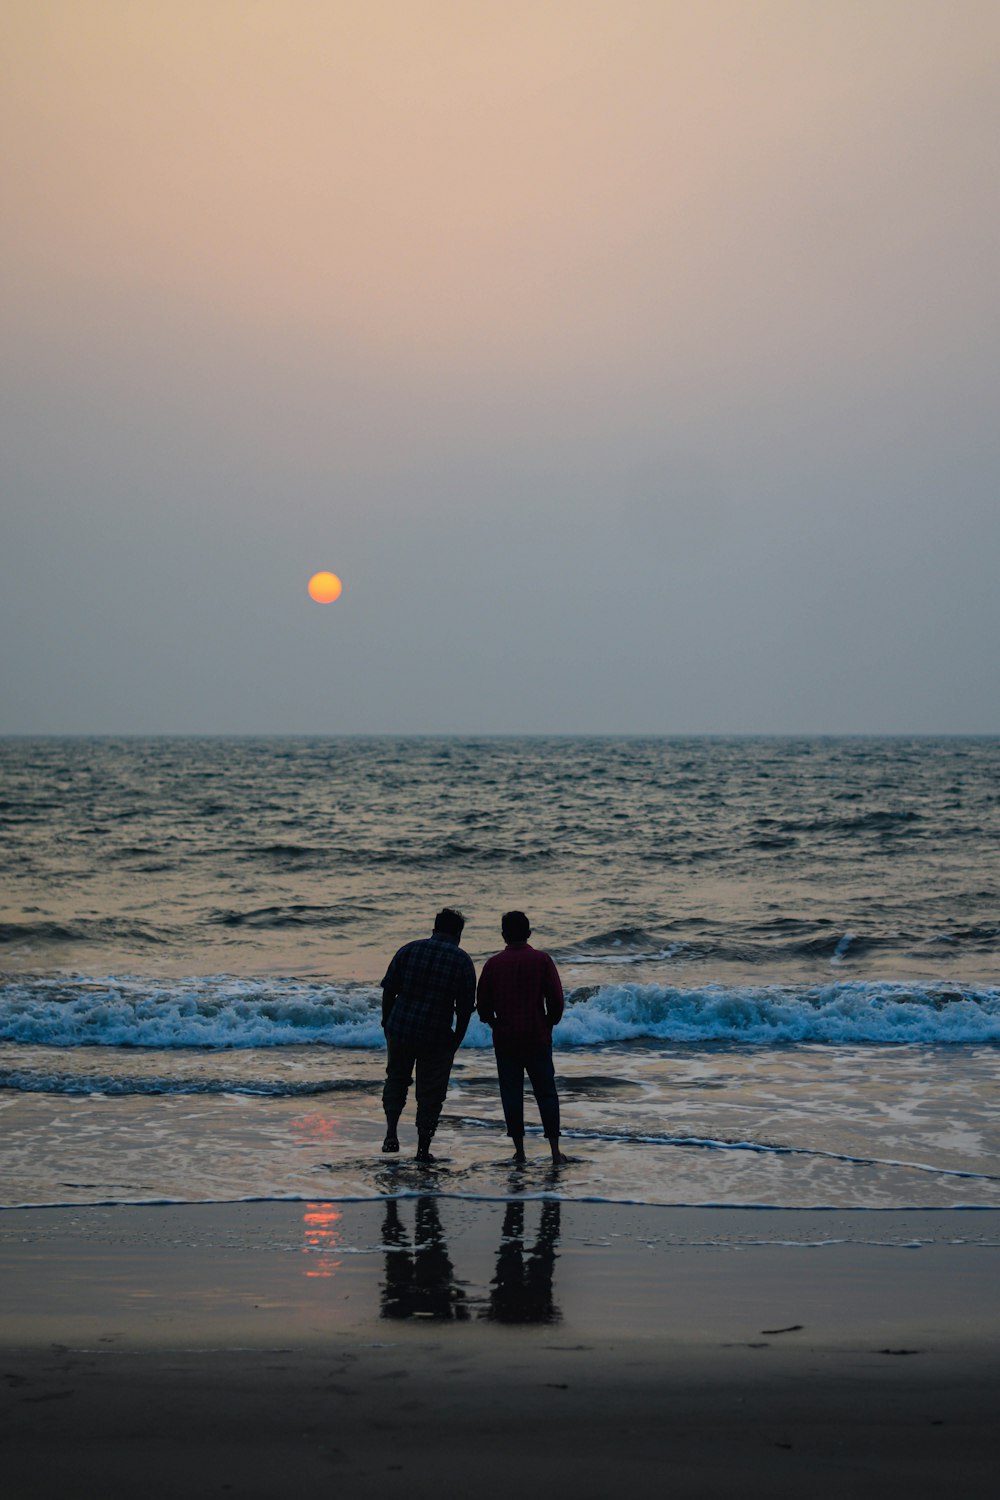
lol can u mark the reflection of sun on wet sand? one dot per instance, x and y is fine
(322, 1237)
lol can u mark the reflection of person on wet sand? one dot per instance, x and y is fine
(419, 1276)
(521, 1290)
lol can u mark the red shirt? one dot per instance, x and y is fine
(520, 996)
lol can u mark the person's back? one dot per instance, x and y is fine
(429, 984)
(425, 977)
(520, 997)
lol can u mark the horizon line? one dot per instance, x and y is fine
(505, 734)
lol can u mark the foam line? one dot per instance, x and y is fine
(538, 1197)
(708, 1143)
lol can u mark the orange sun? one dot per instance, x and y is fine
(325, 587)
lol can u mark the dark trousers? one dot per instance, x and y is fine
(433, 1068)
(512, 1064)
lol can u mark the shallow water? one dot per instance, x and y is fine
(801, 1126)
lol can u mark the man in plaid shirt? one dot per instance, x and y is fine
(429, 984)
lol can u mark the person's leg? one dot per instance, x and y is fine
(398, 1077)
(433, 1073)
(541, 1073)
(510, 1075)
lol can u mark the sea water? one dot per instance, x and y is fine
(780, 959)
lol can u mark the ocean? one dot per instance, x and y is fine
(780, 959)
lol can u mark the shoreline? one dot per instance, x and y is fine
(407, 1193)
(429, 1346)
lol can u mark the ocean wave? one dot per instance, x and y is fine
(82, 930)
(620, 937)
(220, 1012)
(37, 1081)
(225, 1012)
(294, 915)
(776, 943)
(877, 820)
(849, 1013)
(407, 856)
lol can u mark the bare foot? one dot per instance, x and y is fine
(425, 1158)
(558, 1160)
(391, 1143)
(519, 1156)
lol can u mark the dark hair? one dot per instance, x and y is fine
(515, 927)
(449, 920)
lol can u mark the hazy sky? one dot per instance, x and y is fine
(635, 363)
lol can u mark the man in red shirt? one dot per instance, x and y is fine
(520, 997)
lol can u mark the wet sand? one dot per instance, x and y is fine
(438, 1347)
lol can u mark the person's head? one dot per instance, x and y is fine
(450, 922)
(515, 927)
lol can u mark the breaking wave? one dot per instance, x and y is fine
(225, 1012)
(856, 1013)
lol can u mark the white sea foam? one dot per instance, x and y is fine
(548, 1195)
(216, 1012)
(852, 1013)
(225, 1012)
(758, 1148)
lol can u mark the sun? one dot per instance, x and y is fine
(325, 587)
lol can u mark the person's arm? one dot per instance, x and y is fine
(554, 1002)
(390, 989)
(484, 997)
(465, 1004)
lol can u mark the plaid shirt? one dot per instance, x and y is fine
(520, 996)
(425, 986)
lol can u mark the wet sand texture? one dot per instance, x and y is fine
(198, 1360)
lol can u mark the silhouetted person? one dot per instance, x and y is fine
(419, 1277)
(428, 985)
(520, 997)
(521, 1290)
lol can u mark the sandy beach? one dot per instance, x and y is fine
(434, 1347)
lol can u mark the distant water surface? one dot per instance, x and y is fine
(781, 957)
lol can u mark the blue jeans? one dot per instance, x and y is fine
(512, 1064)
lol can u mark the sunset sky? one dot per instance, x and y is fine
(635, 365)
